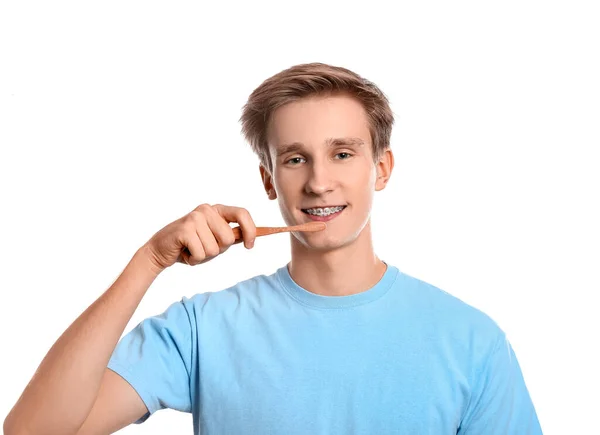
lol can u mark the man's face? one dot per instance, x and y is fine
(321, 151)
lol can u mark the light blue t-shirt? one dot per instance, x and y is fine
(266, 356)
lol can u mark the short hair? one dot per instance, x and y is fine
(313, 79)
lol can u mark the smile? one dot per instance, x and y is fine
(324, 214)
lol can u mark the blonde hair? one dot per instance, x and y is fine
(311, 79)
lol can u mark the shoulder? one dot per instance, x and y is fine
(248, 292)
(451, 317)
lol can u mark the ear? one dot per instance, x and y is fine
(267, 181)
(384, 169)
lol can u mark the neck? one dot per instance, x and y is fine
(345, 270)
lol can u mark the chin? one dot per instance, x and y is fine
(321, 244)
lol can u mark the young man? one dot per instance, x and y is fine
(335, 342)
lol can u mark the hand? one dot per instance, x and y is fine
(199, 236)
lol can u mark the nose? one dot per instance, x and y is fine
(319, 179)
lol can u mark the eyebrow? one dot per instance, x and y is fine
(331, 142)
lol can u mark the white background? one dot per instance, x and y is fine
(117, 118)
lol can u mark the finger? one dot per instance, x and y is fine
(209, 243)
(195, 251)
(242, 217)
(220, 229)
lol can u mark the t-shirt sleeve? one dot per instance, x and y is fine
(500, 403)
(155, 358)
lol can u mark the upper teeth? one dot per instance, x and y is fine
(324, 211)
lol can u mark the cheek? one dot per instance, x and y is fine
(365, 180)
(288, 183)
(283, 178)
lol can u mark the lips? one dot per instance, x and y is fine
(323, 206)
(324, 218)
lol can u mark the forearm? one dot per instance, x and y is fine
(61, 393)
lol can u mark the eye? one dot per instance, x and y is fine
(347, 154)
(293, 158)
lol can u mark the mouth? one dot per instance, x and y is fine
(324, 214)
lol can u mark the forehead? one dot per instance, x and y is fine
(314, 119)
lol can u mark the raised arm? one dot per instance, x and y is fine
(73, 391)
(65, 387)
